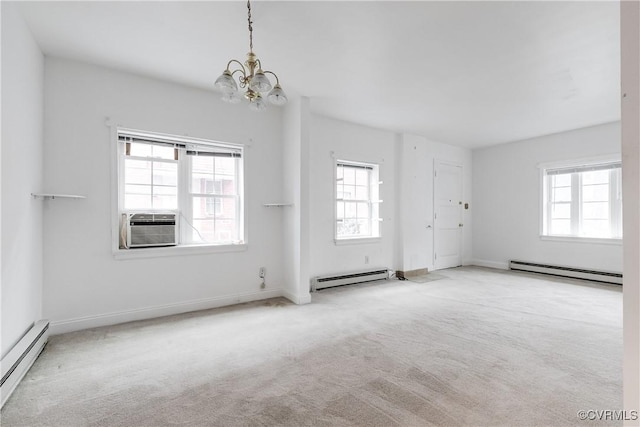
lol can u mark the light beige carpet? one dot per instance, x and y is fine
(477, 347)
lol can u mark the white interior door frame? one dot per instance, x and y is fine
(447, 217)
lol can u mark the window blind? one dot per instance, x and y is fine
(212, 153)
(349, 165)
(583, 168)
(192, 148)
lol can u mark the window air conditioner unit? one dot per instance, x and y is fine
(151, 229)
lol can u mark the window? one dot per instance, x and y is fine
(150, 177)
(356, 200)
(583, 201)
(214, 197)
(199, 181)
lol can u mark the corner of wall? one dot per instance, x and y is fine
(21, 174)
(296, 250)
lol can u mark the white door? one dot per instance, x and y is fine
(447, 203)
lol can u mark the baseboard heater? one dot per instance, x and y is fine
(20, 358)
(332, 280)
(574, 273)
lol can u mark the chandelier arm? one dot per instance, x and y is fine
(274, 75)
(242, 79)
(237, 62)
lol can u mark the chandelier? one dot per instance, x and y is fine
(252, 78)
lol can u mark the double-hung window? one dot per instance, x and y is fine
(201, 182)
(357, 204)
(583, 201)
(214, 200)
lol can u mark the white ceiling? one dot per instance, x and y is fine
(466, 73)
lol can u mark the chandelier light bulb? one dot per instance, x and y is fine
(277, 96)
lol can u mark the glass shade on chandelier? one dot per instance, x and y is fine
(277, 96)
(251, 78)
(225, 83)
(260, 82)
(232, 97)
(257, 104)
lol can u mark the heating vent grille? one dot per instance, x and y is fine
(571, 272)
(19, 359)
(332, 280)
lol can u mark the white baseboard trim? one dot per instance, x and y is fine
(305, 299)
(107, 319)
(490, 264)
(17, 362)
(296, 299)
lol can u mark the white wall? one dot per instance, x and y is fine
(84, 285)
(22, 106)
(332, 139)
(296, 192)
(630, 42)
(416, 157)
(506, 198)
(406, 170)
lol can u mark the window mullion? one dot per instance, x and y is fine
(369, 204)
(576, 199)
(549, 203)
(185, 203)
(615, 205)
(152, 183)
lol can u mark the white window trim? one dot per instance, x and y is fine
(577, 239)
(168, 251)
(542, 167)
(357, 240)
(351, 240)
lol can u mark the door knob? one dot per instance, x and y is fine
(460, 225)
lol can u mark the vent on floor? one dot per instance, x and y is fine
(332, 280)
(20, 358)
(574, 273)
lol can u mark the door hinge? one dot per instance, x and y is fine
(435, 215)
(435, 173)
(435, 256)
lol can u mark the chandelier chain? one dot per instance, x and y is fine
(250, 26)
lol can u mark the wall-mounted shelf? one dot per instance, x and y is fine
(50, 196)
(277, 205)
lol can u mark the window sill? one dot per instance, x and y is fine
(357, 240)
(575, 239)
(176, 251)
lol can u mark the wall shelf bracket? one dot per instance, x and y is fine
(51, 196)
(277, 205)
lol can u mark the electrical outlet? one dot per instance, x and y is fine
(366, 259)
(263, 272)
